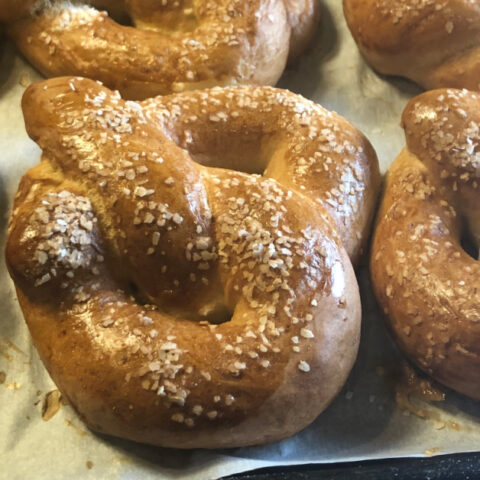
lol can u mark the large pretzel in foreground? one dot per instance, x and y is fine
(426, 283)
(177, 45)
(181, 304)
(435, 43)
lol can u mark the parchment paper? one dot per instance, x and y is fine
(364, 422)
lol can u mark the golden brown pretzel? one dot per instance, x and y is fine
(435, 43)
(177, 45)
(120, 243)
(426, 283)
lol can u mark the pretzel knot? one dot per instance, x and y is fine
(176, 45)
(174, 300)
(425, 281)
(435, 43)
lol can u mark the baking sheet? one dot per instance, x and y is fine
(364, 422)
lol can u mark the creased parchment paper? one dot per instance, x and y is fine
(364, 422)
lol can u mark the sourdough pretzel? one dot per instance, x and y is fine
(182, 304)
(176, 45)
(424, 280)
(435, 43)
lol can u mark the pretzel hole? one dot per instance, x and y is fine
(122, 19)
(174, 17)
(247, 164)
(137, 294)
(244, 150)
(116, 11)
(215, 313)
(468, 243)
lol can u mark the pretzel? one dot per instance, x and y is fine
(435, 43)
(173, 300)
(424, 280)
(177, 45)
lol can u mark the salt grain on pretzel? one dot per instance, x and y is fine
(174, 300)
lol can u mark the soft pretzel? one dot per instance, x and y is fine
(435, 43)
(426, 283)
(182, 304)
(177, 45)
